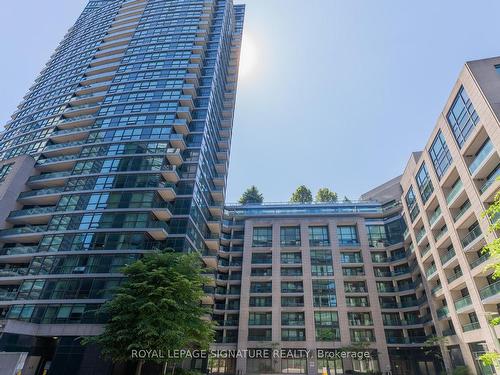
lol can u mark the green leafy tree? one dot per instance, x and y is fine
(435, 346)
(326, 195)
(157, 308)
(302, 195)
(251, 195)
(493, 251)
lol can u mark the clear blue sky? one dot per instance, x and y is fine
(339, 92)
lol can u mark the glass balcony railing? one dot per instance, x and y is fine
(76, 119)
(482, 155)
(454, 191)
(441, 234)
(435, 216)
(431, 270)
(462, 211)
(443, 312)
(463, 303)
(455, 276)
(7, 295)
(56, 159)
(351, 259)
(47, 176)
(479, 260)
(471, 326)
(13, 272)
(436, 289)
(449, 332)
(34, 193)
(32, 211)
(490, 290)
(490, 180)
(63, 145)
(19, 250)
(420, 234)
(28, 229)
(471, 236)
(446, 257)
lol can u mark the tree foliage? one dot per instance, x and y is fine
(302, 195)
(493, 248)
(326, 195)
(251, 195)
(157, 308)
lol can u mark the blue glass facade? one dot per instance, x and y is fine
(129, 127)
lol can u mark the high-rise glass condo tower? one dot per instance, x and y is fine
(120, 147)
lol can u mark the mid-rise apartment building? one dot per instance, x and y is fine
(119, 148)
(320, 278)
(446, 188)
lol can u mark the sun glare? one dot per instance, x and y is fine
(248, 59)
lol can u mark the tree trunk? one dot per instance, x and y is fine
(138, 368)
(173, 369)
(165, 365)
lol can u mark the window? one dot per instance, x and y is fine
(326, 324)
(462, 117)
(261, 301)
(424, 183)
(348, 235)
(362, 335)
(321, 263)
(291, 271)
(318, 236)
(262, 237)
(360, 318)
(376, 235)
(4, 171)
(440, 155)
(291, 258)
(290, 236)
(292, 301)
(260, 287)
(326, 361)
(411, 204)
(292, 319)
(293, 334)
(324, 293)
(295, 365)
(292, 287)
(259, 334)
(260, 319)
(261, 271)
(262, 258)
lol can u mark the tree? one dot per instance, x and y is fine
(493, 251)
(326, 195)
(157, 308)
(435, 346)
(251, 195)
(302, 195)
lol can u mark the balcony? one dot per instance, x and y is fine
(490, 180)
(37, 215)
(26, 233)
(57, 163)
(465, 207)
(471, 326)
(463, 304)
(491, 293)
(169, 173)
(441, 234)
(69, 135)
(486, 151)
(457, 188)
(430, 271)
(8, 295)
(443, 312)
(48, 179)
(435, 216)
(19, 250)
(81, 110)
(42, 196)
(351, 259)
(479, 260)
(436, 289)
(14, 272)
(471, 237)
(454, 276)
(448, 256)
(76, 122)
(420, 235)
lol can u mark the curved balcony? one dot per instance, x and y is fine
(48, 179)
(76, 122)
(57, 163)
(81, 110)
(42, 196)
(69, 135)
(66, 148)
(28, 233)
(491, 293)
(37, 215)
